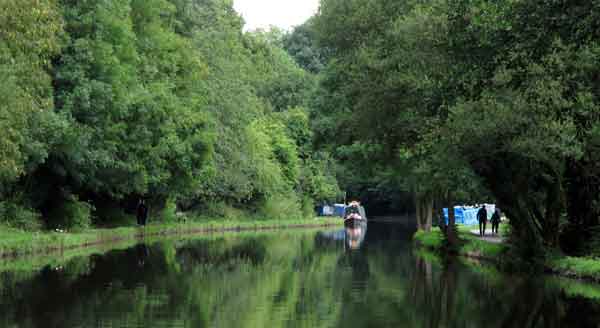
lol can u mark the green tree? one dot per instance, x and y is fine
(302, 45)
(29, 38)
(126, 83)
(528, 87)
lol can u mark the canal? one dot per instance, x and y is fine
(296, 278)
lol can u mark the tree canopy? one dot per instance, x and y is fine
(169, 100)
(461, 100)
(416, 104)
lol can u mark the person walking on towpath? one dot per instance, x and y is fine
(495, 221)
(482, 218)
(142, 213)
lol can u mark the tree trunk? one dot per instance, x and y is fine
(424, 209)
(428, 213)
(554, 207)
(418, 215)
(451, 228)
(439, 214)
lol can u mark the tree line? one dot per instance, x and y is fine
(459, 101)
(104, 103)
(434, 102)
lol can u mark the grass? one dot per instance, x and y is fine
(471, 246)
(584, 270)
(35, 262)
(566, 266)
(571, 287)
(575, 267)
(432, 240)
(429, 256)
(479, 248)
(577, 288)
(475, 247)
(14, 243)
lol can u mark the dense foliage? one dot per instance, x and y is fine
(104, 103)
(458, 100)
(408, 104)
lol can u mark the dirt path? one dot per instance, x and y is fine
(488, 236)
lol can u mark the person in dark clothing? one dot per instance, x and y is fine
(482, 218)
(495, 221)
(142, 213)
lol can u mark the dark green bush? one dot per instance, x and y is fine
(111, 215)
(595, 242)
(71, 214)
(17, 216)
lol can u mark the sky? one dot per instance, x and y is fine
(284, 14)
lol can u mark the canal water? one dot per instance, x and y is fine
(293, 278)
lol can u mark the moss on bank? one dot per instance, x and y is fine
(15, 242)
(472, 246)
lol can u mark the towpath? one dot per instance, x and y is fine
(488, 236)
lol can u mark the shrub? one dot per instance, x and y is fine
(433, 240)
(594, 247)
(71, 214)
(281, 208)
(111, 215)
(17, 216)
(168, 213)
(308, 207)
(222, 210)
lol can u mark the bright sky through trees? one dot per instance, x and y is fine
(281, 13)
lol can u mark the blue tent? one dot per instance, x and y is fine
(325, 210)
(339, 210)
(458, 215)
(468, 215)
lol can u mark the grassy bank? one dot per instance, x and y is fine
(31, 263)
(15, 243)
(575, 267)
(472, 246)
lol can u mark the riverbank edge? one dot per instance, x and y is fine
(17, 243)
(571, 287)
(473, 247)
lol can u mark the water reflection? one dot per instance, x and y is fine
(351, 237)
(355, 235)
(142, 254)
(457, 297)
(286, 279)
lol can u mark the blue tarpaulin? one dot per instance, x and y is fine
(325, 210)
(336, 210)
(468, 215)
(339, 210)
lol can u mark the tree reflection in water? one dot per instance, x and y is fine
(284, 279)
(455, 296)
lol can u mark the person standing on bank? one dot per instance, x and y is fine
(142, 213)
(495, 221)
(482, 218)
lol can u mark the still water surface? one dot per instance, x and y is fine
(285, 279)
